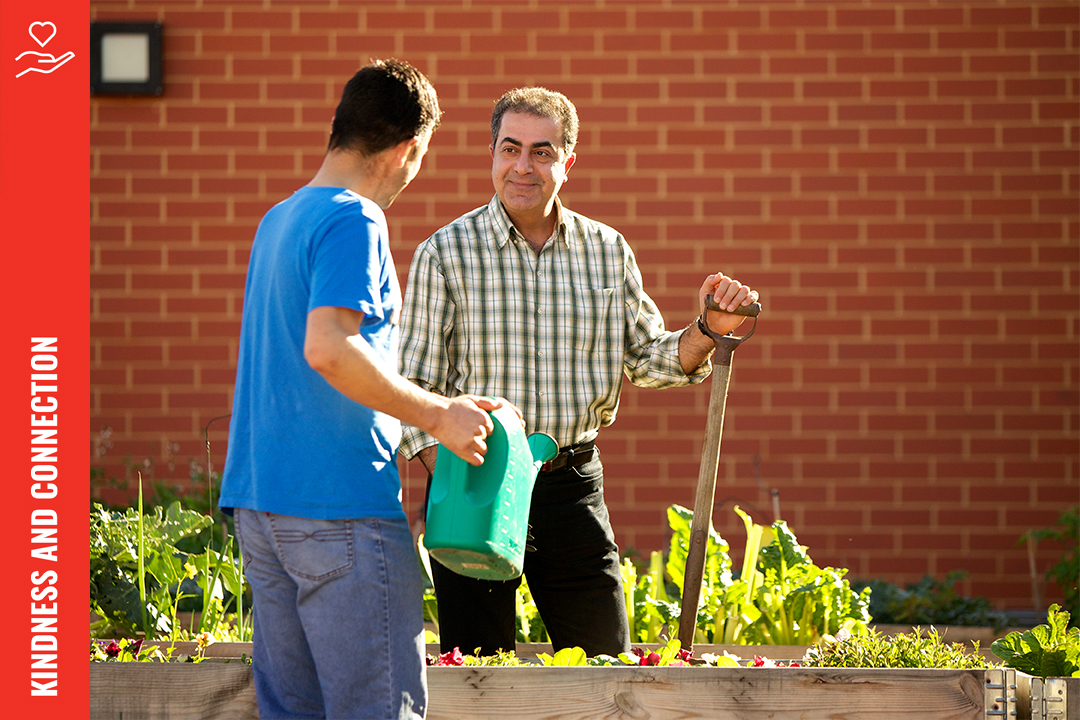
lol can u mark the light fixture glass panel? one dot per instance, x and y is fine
(125, 57)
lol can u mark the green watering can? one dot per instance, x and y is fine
(478, 516)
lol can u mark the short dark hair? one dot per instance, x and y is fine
(540, 102)
(384, 104)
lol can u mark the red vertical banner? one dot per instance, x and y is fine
(45, 194)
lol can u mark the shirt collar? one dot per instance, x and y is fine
(505, 230)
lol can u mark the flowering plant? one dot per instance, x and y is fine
(671, 654)
(455, 658)
(127, 650)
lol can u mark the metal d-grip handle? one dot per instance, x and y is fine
(726, 344)
(751, 310)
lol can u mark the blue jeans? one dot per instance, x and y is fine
(338, 617)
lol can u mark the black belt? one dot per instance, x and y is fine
(570, 457)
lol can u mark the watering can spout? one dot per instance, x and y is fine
(543, 447)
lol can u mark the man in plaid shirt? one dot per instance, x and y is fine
(527, 300)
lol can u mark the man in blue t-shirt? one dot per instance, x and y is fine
(311, 476)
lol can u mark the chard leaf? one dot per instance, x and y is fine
(784, 554)
(1054, 664)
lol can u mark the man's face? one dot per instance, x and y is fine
(529, 164)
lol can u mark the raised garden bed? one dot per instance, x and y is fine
(219, 689)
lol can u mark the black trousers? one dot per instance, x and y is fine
(572, 567)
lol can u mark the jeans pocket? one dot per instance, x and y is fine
(314, 549)
(591, 471)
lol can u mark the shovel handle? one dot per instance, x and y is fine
(751, 310)
(706, 486)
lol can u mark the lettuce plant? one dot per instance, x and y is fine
(1050, 650)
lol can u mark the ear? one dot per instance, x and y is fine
(570, 162)
(405, 151)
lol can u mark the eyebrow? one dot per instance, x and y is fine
(515, 141)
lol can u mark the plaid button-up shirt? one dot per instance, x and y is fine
(553, 334)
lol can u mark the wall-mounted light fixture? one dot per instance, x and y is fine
(125, 58)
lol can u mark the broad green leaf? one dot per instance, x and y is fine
(1054, 664)
(568, 657)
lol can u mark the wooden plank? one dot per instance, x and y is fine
(151, 691)
(172, 691)
(672, 693)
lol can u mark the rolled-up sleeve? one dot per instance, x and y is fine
(652, 353)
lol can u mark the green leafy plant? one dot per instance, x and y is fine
(530, 626)
(648, 608)
(799, 601)
(1050, 650)
(139, 577)
(567, 657)
(902, 650)
(780, 597)
(930, 602)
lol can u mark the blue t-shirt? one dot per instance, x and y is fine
(297, 446)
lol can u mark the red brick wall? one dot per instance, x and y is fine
(899, 179)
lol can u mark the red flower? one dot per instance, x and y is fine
(685, 655)
(113, 649)
(451, 658)
(651, 659)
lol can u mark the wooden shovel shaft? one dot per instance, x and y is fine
(710, 460)
(703, 505)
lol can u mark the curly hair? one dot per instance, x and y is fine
(384, 104)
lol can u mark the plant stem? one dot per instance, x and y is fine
(142, 567)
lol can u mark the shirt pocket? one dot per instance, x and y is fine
(593, 324)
